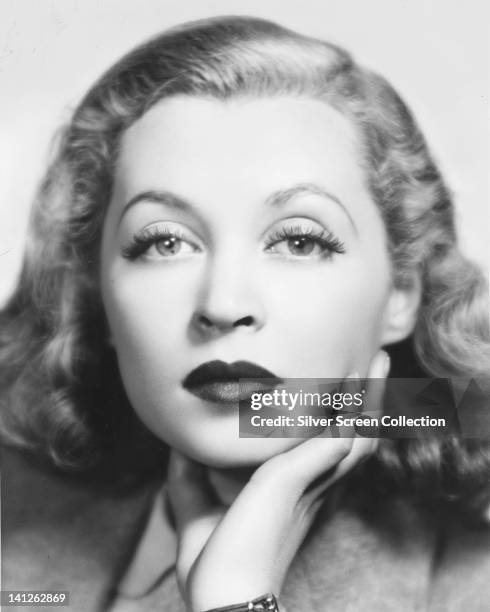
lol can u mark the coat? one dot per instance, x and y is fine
(114, 552)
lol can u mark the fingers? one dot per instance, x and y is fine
(379, 366)
(376, 383)
(291, 472)
(362, 449)
(275, 508)
(273, 512)
(325, 458)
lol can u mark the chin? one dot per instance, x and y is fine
(240, 452)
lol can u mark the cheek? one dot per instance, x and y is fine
(148, 319)
(333, 324)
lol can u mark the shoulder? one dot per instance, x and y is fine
(60, 533)
(391, 554)
(462, 569)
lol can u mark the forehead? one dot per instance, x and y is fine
(243, 134)
(201, 115)
(234, 155)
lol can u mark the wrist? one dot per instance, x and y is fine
(263, 603)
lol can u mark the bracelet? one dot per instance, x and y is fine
(264, 603)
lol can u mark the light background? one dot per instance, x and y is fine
(434, 51)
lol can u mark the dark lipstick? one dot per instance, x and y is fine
(217, 381)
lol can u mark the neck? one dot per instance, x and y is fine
(227, 483)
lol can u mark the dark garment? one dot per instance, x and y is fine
(390, 556)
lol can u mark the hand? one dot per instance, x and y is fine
(230, 555)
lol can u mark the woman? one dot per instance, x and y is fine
(235, 200)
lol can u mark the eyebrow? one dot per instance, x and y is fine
(284, 196)
(277, 199)
(168, 198)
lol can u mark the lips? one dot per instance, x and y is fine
(220, 382)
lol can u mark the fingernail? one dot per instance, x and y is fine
(354, 374)
(387, 364)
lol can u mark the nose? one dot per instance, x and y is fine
(229, 299)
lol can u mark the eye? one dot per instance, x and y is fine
(157, 242)
(303, 242)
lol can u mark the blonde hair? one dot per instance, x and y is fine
(62, 389)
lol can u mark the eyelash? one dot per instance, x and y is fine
(326, 240)
(141, 242)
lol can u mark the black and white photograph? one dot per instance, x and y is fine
(244, 306)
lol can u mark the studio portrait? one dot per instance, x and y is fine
(214, 217)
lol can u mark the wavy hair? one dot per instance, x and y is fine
(62, 395)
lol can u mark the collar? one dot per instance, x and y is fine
(155, 553)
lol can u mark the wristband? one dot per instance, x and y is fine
(264, 603)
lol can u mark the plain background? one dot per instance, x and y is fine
(435, 52)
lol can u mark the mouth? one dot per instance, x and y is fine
(220, 382)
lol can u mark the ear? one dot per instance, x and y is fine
(401, 311)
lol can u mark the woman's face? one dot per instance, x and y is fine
(238, 231)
